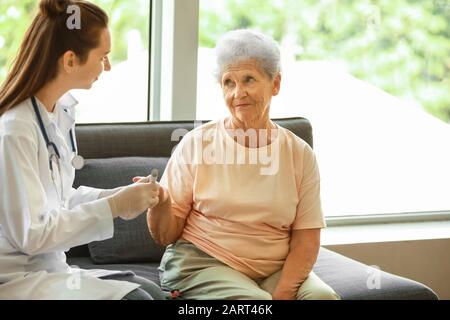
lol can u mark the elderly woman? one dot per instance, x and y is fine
(239, 202)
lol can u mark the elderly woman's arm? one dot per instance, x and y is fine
(304, 248)
(164, 226)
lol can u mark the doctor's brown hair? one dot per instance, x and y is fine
(45, 42)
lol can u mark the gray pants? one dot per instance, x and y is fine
(147, 291)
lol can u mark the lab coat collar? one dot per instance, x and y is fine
(68, 101)
(65, 109)
(63, 113)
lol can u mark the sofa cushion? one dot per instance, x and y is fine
(352, 280)
(131, 241)
(346, 276)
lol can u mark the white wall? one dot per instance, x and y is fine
(425, 261)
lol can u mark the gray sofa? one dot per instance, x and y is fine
(116, 153)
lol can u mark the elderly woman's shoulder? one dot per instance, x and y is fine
(202, 127)
(201, 130)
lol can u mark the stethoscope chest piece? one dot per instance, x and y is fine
(78, 162)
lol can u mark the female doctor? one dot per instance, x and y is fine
(41, 215)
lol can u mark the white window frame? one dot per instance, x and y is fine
(174, 59)
(407, 217)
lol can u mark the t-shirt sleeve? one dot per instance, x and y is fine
(178, 179)
(309, 209)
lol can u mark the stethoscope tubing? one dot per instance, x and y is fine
(46, 138)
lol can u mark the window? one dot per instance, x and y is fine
(373, 79)
(121, 95)
(371, 76)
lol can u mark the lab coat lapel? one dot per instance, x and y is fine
(66, 122)
(57, 128)
(58, 131)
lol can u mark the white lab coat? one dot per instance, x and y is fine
(35, 230)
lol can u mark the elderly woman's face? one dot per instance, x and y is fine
(248, 90)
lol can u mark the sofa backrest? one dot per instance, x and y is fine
(114, 154)
(153, 139)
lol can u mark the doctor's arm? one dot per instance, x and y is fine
(27, 220)
(85, 194)
(29, 223)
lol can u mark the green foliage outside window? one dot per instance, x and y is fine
(16, 16)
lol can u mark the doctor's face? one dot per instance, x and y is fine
(89, 72)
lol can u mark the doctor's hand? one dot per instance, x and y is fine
(163, 194)
(133, 200)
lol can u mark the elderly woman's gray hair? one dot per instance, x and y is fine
(245, 44)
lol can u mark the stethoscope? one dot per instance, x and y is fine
(54, 157)
(77, 160)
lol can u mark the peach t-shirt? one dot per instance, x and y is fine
(242, 203)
